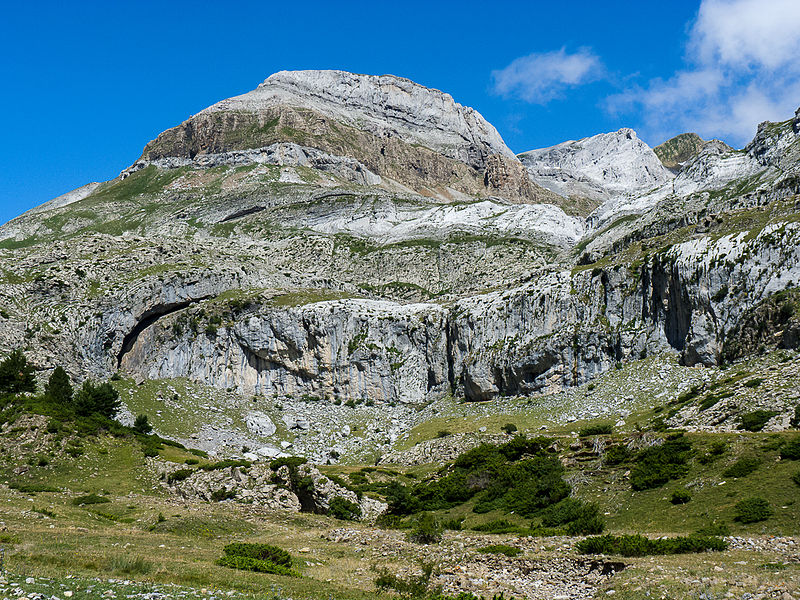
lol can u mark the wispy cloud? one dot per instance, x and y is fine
(742, 66)
(541, 77)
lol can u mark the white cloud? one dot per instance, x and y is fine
(742, 67)
(540, 77)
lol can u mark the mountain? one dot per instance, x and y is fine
(597, 168)
(329, 240)
(676, 151)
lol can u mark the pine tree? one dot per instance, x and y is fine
(59, 388)
(102, 400)
(142, 425)
(16, 374)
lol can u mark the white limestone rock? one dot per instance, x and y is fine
(384, 105)
(600, 167)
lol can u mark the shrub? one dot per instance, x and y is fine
(425, 529)
(657, 465)
(244, 563)
(443, 433)
(225, 464)
(680, 497)
(796, 478)
(222, 494)
(415, 586)
(599, 429)
(795, 421)
(59, 388)
(504, 549)
(742, 467)
(791, 450)
(89, 499)
(716, 450)
(638, 545)
(453, 524)
(755, 421)
(102, 400)
(179, 475)
(509, 428)
(497, 526)
(273, 554)
(142, 425)
(344, 509)
(616, 455)
(16, 374)
(580, 518)
(32, 488)
(753, 383)
(752, 510)
(714, 529)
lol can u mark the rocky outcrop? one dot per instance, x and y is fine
(600, 167)
(677, 150)
(273, 489)
(559, 330)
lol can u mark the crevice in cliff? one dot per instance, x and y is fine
(148, 318)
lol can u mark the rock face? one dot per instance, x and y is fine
(391, 127)
(332, 238)
(600, 167)
(676, 151)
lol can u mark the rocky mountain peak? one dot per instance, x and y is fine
(600, 167)
(384, 105)
(678, 150)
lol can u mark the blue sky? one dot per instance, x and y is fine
(87, 85)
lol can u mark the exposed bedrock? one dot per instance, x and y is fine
(560, 330)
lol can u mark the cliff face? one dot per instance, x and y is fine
(339, 237)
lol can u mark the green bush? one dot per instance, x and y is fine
(101, 399)
(638, 545)
(680, 497)
(714, 530)
(413, 587)
(273, 554)
(504, 549)
(142, 425)
(222, 494)
(795, 421)
(32, 488)
(755, 421)
(599, 429)
(742, 467)
(455, 524)
(716, 450)
(59, 388)
(791, 450)
(580, 518)
(752, 510)
(179, 475)
(226, 464)
(89, 499)
(509, 428)
(497, 526)
(754, 383)
(425, 529)
(796, 478)
(344, 509)
(16, 374)
(244, 563)
(616, 455)
(657, 465)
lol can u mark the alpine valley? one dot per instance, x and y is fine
(343, 292)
